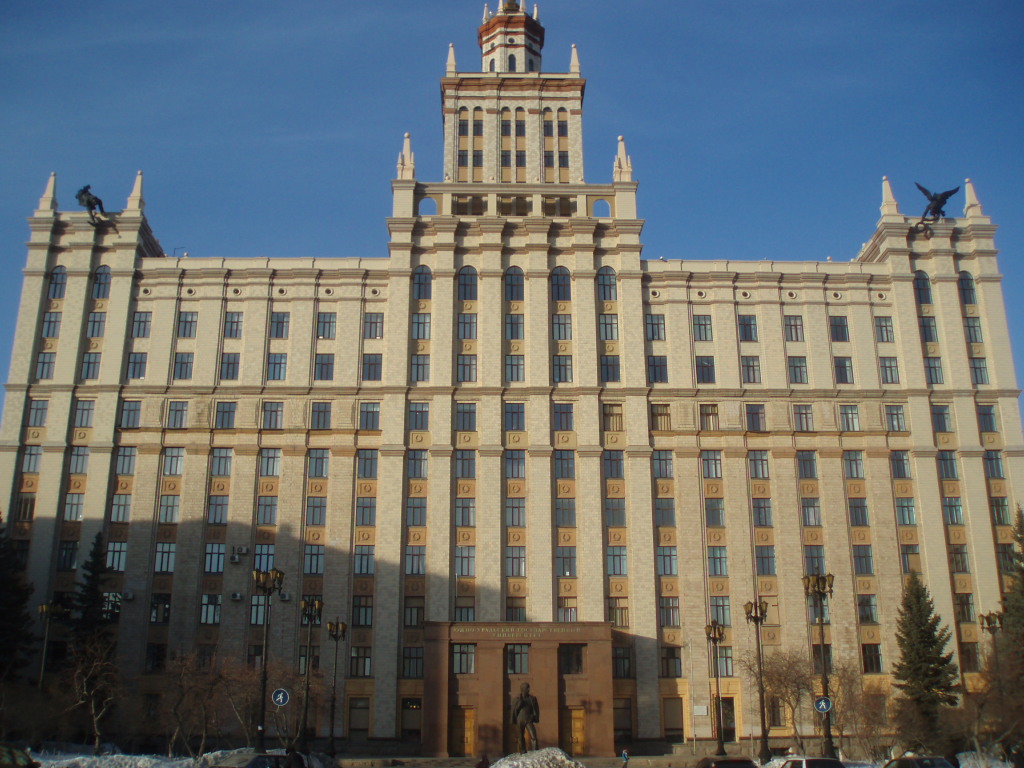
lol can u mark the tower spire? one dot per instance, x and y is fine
(510, 39)
(48, 202)
(136, 202)
(623, 169)
(449, 68)
(406, 160)
(889, 205)
(972, 206)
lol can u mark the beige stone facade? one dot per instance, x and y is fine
(514, 418)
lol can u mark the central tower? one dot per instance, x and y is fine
(511, 122)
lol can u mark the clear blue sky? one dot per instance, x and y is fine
(757, 129)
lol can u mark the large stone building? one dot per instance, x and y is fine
(514, 450)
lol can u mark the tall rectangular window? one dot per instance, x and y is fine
(37, 411)
(979, 370)
(756, 418)
(711, 464)
(905, 511)
(90, 366)
(702, 328)
(125, 461)
(747, 327)
(465, 417)
(762, 509)
(277, 366)
(838, 329)
(793, 326)
(561, 327)
(371, 367)
(561, 369)
(415, 511)
(899, 464)
(515, 368)
(317, 462)
(183, 365)
(515, 417)
(562, 417)
(369, 416)
(326, 325)
(187, 324)
(797, 367)
(229, 366)
(44, 366)
(933, 370)
(465, 512)
(419, 368)
(515, 512)
(466, 326)
(514, 327)
(373, 325)
(884, 332)
(972, 330)
(270, 462)
(750, 369)
(849, 418)
(616, 561)
(843, 367)
(366, 510)
(418, 417)
(718, 562)
(654, 327)
(173, 461)
(853, 465)
(657, 369)
(233, 325)
(705, 369)
(279, 322)
(323, 367)
(889, 369)
(320, 415)
(273, 415)
(757, 462)
(96, 325)
(177, 414)
(929, 329)
(987, 419)
(141, 324)
(895, 421)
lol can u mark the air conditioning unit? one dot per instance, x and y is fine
(235, 559)
(286, 596)
(240, 550)
(128, 595)
(236, 596)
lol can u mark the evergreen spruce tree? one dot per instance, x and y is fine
(1012, 636)
(88, 617)
(925, 673)
(16, 637)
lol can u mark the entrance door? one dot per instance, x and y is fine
(579, 732)
(461, 732)
(572, 731)
(728, 719)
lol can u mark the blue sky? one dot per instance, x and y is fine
(757, 129)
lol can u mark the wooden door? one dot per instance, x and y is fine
(462, 732)
(579, 732)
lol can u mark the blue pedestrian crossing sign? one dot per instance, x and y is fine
(823, 704)
(280, 697)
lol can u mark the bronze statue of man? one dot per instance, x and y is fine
(525, 712)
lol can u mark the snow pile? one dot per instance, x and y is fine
(63, 760)
(551, 757)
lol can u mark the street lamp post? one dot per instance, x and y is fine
(716, 633)
(47, 611)
(336, 630)
(757, 613)
(267, 583)
(312, 610)
(819, 586)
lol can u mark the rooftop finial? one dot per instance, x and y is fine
(48, 202)
(136, 202)
(889, 205)
(623, 169)
(972, 206)
(406, 160)
(450, 66)
(574, 61)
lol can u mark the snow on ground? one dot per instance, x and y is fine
(551, 757)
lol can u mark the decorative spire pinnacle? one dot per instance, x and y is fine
(406, 160)
(48, 202)
(487, 13)
(623, 169)
(574, 61)
(889, 205)
(450, 66)
(972, 207)
(536, 12)
(136, 202)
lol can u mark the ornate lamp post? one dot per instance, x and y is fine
(819, 586)
(312, 610)
(47, 612)
(267, 583)
(336, 630)
(716, 633)
(757, 613)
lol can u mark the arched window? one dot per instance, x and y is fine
(607, 290)
(922, 288)
(58, 282)
(101, 283)
(967, 292)
(561, 286)
(513, 284)
(511, 63)
(422, 282)
(467, 284)
(492, 65)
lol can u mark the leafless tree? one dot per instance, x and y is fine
(95, 680)
(787, 677)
